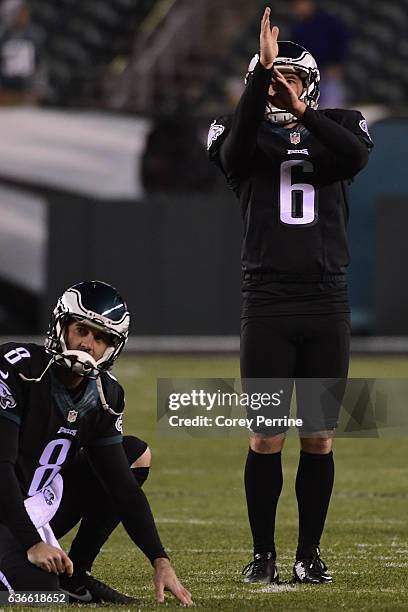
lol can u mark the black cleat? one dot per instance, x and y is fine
(94, 591)
(75, 588)
(261, 569)
(102, 593)
(312, 570)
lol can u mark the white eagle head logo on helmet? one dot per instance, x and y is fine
(292, 58)
(101, 307)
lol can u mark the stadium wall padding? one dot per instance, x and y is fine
(385, 175)
(175, 259)
(391, 257)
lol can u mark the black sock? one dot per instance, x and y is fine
(97, 524)
(314, 484)
(263, 485)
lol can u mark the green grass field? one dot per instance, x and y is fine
(196, 492)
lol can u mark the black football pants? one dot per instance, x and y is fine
(298, 347)
(83, 494)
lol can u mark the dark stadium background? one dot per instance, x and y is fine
(103, 171)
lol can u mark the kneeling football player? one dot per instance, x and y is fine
(63, 457)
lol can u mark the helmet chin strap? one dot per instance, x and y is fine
(104, 403)
(82, 364)
(79, 362)
(39, 379)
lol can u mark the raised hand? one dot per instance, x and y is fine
(268, 41)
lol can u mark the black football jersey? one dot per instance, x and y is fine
(53, 422)
(291, 183)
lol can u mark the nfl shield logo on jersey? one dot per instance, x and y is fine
(295, 138)
(72, 416)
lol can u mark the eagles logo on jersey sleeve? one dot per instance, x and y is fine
(7, 400)
(216, 135)
(215, 131)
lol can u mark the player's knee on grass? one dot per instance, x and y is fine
(317, 445)
(267, 445)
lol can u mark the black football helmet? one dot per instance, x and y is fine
(101, 306)
(292, 58)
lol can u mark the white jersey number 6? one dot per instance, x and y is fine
(290, 194)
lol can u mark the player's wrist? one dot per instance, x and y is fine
(299, 109)
(265, 63)
(160, 562)
(34, 547)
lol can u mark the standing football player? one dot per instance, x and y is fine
(63, 457)
(290, 165)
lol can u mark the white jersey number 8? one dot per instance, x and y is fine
(299, 192)
(57, 450)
